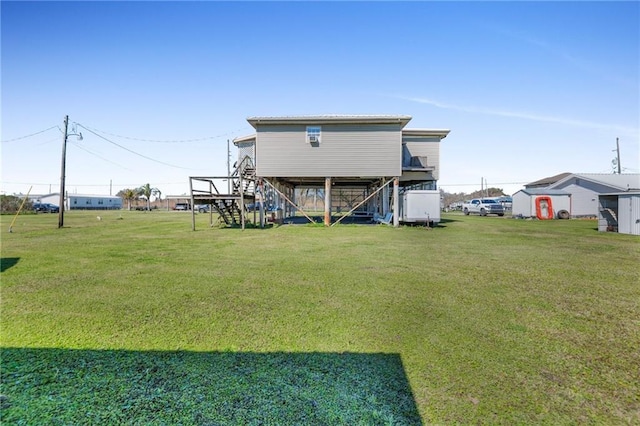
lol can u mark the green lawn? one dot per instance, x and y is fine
(137, 319)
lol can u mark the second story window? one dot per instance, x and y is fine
(313, 134)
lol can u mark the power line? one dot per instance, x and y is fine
(26, 183)
(91, 184)
(28, 136)
(77, 145)
(46, 142)
(163, 141)
(134, 152)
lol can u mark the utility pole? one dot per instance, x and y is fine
(63, 167)
(62, 172)
(618, 152)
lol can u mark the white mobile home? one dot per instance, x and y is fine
(93, 202)
(85, 202)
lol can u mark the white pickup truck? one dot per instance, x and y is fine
(482, 207)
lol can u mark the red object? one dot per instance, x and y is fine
(544, 208)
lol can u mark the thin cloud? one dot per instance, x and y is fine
(556, 50)
(523, 115)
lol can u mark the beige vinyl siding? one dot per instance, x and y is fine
(423, 146)
(345, 150)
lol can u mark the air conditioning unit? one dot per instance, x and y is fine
(314, 139)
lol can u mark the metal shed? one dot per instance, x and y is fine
(586, 187)
(526, 203)
(619, 212)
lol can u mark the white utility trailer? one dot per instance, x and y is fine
(420, 206)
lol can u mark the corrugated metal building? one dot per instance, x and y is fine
(586, 187)
(619, 212)
(524, 201)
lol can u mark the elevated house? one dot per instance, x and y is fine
(360, 164)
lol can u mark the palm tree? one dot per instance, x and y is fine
(147, 192)
(128, 195)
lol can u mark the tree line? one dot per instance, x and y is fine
(452, 198)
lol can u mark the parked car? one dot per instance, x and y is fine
(203, 208)
(45, 208)
(482, 207)
(182, 206)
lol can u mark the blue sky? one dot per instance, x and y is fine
(528, 89)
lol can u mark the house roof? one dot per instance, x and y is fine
(326, 119)
(442, 133)
(69, 195)
(91, 196)
(543, 191)
(548, 180)
(246, 138)
(345, 119)
(633, 193)
(622, 182)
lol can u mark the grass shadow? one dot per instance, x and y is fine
(46, 386)
(246, 227)
(448, 220)
(8, 262)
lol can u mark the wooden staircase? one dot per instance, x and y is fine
(230, 207)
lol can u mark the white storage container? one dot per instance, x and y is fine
(420, 206)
